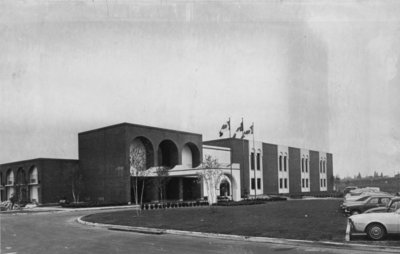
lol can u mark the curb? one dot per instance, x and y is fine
(144, 230)
(67, 210)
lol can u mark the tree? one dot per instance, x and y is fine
(160, 181)
(210, 175)
(77, 184)
(137, 160)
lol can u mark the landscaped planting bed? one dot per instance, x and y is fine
(296, 219)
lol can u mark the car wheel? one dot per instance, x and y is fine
(376, 231)
(355, 212)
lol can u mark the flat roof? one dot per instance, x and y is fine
(238, 139)
(37, 159)
(136, 125)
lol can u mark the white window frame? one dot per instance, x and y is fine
(283, 172)
(323, 179)
(305, 170)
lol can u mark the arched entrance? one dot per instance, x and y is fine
(167, 154)
(33, 185)
(21, 190)
(141, 158)
(9, 184)
(190, 155)
(225, 186)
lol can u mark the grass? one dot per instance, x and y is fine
(295, 219)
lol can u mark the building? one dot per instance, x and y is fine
(121, 162)
(39, 180)
(276, 169)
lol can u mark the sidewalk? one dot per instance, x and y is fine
(292, 242)
(50, 209)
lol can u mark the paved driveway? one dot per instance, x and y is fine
(60, 233)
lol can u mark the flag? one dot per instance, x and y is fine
(249, 131)
(224, 127)
(240, 128)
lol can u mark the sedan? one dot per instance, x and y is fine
(375, 225)
(393, 205)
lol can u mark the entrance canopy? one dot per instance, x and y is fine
(230, 171)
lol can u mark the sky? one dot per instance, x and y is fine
(321, 75)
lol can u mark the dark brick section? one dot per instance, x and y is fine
(294, 171)
(314, 172)
(54, 177)
(104, 157)
(270, 168)
(239, 151)
(329, 170)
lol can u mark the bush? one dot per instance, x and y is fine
(91, 204)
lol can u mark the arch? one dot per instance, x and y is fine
(168, 154)
(141, 154)
(21, 177)
(190, 155)
(224, 185)
(9, 177)
(33, 175)
(33, 184)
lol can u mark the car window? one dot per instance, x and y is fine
(374, 201)
(385, 201)
(395, 205)
(363, 198)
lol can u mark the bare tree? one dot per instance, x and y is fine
(137, 159)
(210, 175)
(77, 184)
(161, 180)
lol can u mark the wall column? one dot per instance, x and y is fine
(180, 189)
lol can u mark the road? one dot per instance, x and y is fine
(60, 233)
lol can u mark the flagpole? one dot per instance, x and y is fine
(231, 159)
(229, 125)
(255, 178)
(242, 169)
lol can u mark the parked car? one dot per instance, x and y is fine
(392, 206)
(375, 225)
(370, 202)
(348, 189)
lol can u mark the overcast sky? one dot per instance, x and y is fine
(321, 75)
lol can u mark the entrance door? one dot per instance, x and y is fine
(224, 189)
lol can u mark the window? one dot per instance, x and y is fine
(285, 163)
(302, 183)
(280, 183)
(252, 161)
(302, 164)
(253, 184)
(385, 201)
(258, 161)
(285, 183)
(280, 162)
(306, 183)
(324, 182)
(306, 165)
(324, 167)
(320, 166)
(373, 201)
(259, 183)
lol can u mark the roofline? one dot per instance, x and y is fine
(36, 159)
(135, 125)
(225, 139)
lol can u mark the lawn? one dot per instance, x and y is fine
(294, 219)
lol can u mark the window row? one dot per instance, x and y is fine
(323, 183)
(304, 165)
(304, 183)
(254, 161)
(322, 166)
(283, 163)
(253, 184)
(283, 183)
